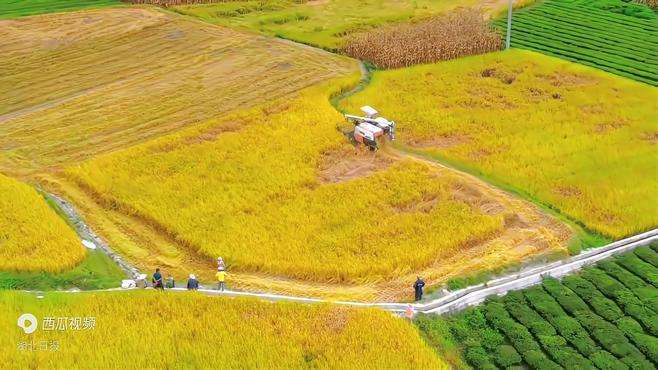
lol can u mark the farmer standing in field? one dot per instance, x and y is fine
(157, 279)
(221, 279)
(418, 288)
(192, 283)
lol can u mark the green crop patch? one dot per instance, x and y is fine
(21, 8)
(612, 35)
(595, 319)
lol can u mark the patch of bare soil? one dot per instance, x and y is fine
(606, 127)
(347, 164)
(317, 2)
(568, 191)
(441, 142)
(213, 133)
(568, 79)
(651, 137)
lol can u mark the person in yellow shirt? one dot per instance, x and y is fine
(221, 280)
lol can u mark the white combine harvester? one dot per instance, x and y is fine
(368, 129)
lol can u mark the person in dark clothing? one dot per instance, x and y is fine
(418, 288)
(192, 283)
(157, 280)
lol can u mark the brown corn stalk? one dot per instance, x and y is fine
(460, 33)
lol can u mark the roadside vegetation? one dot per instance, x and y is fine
(195, 331)
(571, 137)
(20, 8)
(319, 23)
(616, 36)
(33, 237)
(604, 317)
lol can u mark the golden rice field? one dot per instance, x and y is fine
(249, 187)
(32, 236)
(195, 331)
(581, 140)
(83, 83)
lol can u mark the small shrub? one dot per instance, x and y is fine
(478, 357)
(506, 355)
(605, 361)
(648, 255)
(538, 360)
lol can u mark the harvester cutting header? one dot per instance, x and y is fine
(369, 129)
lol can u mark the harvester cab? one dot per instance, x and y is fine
(369, 128)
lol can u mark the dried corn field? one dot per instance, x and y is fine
(456, 34)
(119, 76)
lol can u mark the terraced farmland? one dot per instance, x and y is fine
(605, 317)
(570, 136)
(597, 34)
(21, 8)
(277, 191)
(116, 77)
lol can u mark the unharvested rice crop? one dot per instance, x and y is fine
(116, 77)
(604, 317)
(32, 236)
(612, 35)
(247, 187)
(575, 138)
(161, 330)
(21, 8)
(319, 23)
(456, 34)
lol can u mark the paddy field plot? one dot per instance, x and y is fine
(322, 23)
(22, 8)
(615, 36)
(82, 83)
(569, 136)
(33, 237)
(195, 331)
(278, 192)
(604, 317)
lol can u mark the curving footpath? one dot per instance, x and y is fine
(451, 302)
